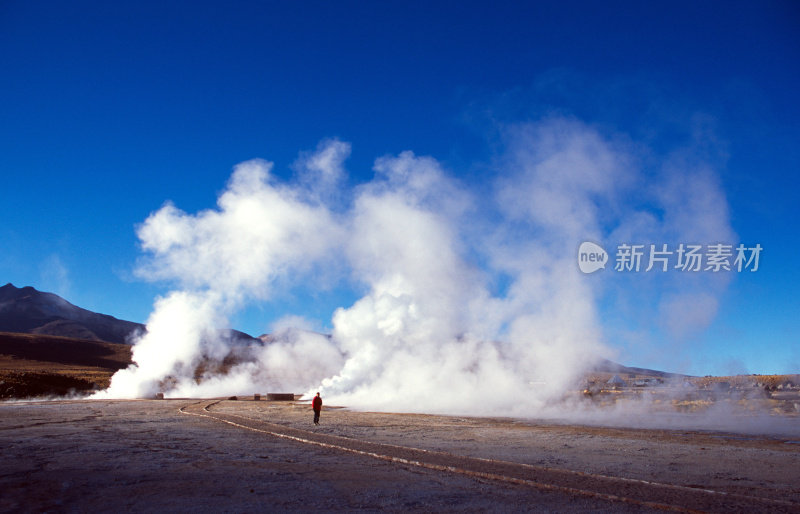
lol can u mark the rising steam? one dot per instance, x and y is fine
(473, 301)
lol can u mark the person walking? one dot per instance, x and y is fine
(316, 404)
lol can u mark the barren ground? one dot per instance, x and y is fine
(241, 456)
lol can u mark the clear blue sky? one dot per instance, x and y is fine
(109, 109)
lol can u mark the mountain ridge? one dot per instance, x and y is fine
(27, 310)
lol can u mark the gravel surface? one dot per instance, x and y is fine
(243, 456)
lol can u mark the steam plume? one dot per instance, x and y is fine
(473, 301)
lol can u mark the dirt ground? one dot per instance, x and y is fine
(34, 365)
(243, 456)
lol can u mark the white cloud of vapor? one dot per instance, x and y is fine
(473, 300)
(322, 172)
(262, 236)
(55, 275)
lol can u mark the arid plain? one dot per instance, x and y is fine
(244, 455)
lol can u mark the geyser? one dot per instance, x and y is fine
(472, 299)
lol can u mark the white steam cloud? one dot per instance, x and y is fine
(262, 236)
(473, 299)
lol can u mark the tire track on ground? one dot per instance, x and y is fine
(626, 490)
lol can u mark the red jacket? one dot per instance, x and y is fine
(316, 403)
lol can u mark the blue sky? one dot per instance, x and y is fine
(111, 109)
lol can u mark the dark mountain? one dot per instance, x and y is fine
(26, 310)
(29, 311)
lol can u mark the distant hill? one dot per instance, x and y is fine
(28, 311)
(607, 366)
(25, 310)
